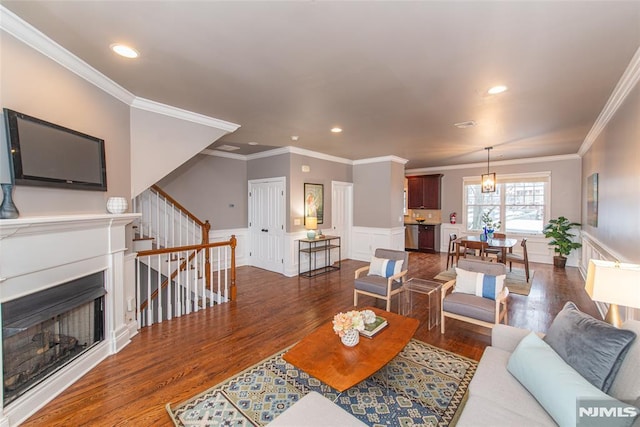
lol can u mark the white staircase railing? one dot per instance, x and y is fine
(166, 221)
(173, 282)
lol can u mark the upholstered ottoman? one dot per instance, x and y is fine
(315, 410)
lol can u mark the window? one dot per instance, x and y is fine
(520, 203)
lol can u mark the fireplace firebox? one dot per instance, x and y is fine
(43, 332)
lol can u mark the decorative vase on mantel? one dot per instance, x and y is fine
(117, 205)
(8, 209)
(350, 337)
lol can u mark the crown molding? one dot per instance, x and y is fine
(179, 113)
(32, 37)
(496, 163)
(21, 30)
(218, 153)
(625, 85)
(300, 151)
(395, 159)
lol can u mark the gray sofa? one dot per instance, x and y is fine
(496, 398)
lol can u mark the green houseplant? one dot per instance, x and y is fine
(559, 231)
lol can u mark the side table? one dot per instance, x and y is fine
(421, 295)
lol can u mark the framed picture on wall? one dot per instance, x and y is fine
(314, 201)
(592, 200)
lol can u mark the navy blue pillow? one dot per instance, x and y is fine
(590, 346)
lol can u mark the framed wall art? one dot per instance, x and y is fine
(314, 201)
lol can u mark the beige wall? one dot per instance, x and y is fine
(615, 157)
(378, 194)
(213, 188)
(320, 172)
(35, 85)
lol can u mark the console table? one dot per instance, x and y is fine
(313, 247)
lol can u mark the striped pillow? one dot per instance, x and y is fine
(385, 267)
(479, 284)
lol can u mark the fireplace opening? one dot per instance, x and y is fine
(43, 332)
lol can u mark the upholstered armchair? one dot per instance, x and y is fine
(384, 277)
(474, 298)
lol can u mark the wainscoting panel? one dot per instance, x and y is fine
(242, 245)
(367, 239)
(592, 248)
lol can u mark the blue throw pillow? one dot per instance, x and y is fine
(592, 347)
(556, 385)
(385, 267)
(478, 284)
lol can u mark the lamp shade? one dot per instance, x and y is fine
(614, 283)
(311, 223)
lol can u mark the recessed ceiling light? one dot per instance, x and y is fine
(464, 125)
(253, 143)
(123, 50)
(294, 137)
(497, 89)
(336, 130)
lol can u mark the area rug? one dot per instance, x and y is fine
(515, 281)
(422, 386)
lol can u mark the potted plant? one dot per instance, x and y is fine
(559, 231)
(489, 225)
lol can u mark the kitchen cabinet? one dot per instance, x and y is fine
(429, 238)
(424, 191)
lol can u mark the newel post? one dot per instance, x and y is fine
(207, 264)
(233, 242)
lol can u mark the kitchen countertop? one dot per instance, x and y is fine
(424, 223)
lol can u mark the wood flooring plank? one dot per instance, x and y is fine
(177, 359)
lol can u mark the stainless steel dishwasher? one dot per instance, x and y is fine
(411, 237)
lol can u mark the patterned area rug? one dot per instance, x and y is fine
(515, 281)
(422, 386)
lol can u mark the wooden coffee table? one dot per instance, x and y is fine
(322, 354)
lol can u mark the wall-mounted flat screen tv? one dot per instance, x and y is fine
(48, 155)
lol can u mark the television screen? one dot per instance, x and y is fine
(49, 155)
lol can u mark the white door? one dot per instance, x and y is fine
(266, 223)
(342, 214)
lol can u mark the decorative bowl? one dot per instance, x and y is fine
(420, 220)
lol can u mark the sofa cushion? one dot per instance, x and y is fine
(481, 412)
(470, 306)
(555, 384)
(626, 386)
(592, 347)
(493, 383)
(479, 284)
(375, 284)
(385, 267)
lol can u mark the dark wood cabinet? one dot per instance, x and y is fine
(429, 238)
(424, 191)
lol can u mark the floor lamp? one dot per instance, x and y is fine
(614, 283)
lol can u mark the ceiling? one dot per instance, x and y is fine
(395, 76)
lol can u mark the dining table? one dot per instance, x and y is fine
(502, 244)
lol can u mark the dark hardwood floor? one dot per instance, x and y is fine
(177, 359)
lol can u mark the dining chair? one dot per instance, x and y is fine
(522, 259)
(385, 276)
(468, 307)
(474, 250)
(496, 251)
(451, 251)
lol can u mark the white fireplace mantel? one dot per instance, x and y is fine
(37, 253)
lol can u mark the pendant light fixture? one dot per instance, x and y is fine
(488, 181)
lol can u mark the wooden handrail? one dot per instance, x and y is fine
(160, 191)
(232, 242)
